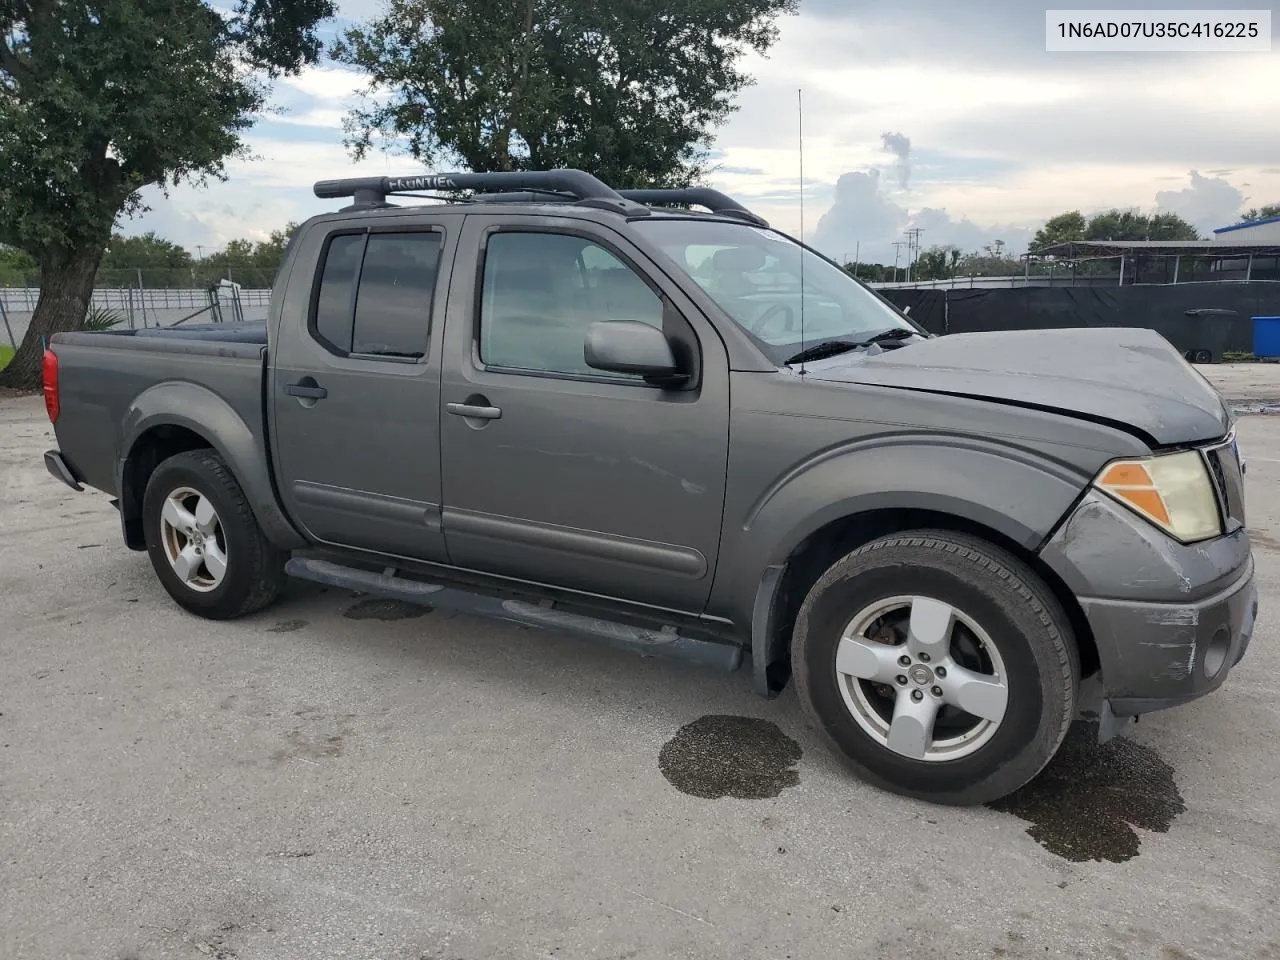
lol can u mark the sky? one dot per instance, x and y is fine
(945, 116)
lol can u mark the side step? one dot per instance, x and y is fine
(666, 642)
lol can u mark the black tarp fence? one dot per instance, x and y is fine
(1216, 318)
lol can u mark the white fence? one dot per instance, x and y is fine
(148, 307)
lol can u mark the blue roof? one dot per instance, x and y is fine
(1247, 223)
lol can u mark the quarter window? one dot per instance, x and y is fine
(333, 307)
(540, 293)
(395, 276)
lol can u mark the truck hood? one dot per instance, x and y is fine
(1129, 377)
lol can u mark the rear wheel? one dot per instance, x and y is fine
(938, 665)
(204, 543)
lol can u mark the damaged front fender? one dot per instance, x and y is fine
(1169, 619)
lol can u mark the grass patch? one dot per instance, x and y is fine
(6, 354)
(1235, 356)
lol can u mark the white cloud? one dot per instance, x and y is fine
(326, 83)
(1003, 134)
(1208, 203)
(865, 221)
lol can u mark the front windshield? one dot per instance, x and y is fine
(754, 275)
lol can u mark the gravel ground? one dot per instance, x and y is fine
(335, 777)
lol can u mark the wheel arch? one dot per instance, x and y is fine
(174, 417)
(785, 584)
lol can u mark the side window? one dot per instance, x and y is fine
(393, 303)
(333, 307)
(540, 293)
(390, 314)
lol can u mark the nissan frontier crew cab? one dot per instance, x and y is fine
(679, 431)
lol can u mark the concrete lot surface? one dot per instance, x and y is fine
(331, 778)
(1245, 383)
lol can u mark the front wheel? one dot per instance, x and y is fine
(940, 666)
(204, 543)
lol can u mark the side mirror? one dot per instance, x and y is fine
(629, 346)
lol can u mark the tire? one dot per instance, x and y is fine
(1029, 648)
(251, 569)
(1202, 356)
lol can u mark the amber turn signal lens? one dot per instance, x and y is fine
(1173, 491)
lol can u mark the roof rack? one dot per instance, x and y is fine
(576, 186)
(713, 200)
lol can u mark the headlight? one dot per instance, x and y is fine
(1173, 491)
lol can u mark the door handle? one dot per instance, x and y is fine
(309, 390)
(475, 411)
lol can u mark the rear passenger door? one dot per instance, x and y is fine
(355, 390)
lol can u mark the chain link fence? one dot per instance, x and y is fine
(161, 296)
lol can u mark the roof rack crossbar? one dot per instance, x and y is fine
(713, 200)
(575, 184)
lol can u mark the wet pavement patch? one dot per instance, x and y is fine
(1085, 804)
(287, 626)
(721, 756)
(379, 608)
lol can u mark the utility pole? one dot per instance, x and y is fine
(897, 251)
(913, 248)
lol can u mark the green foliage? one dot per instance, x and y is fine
(872, 272)
(100, 100)
(1112, 224)
(15, 267)
(936, 263)
(6, 354)
(630, 90)
(101, 318)
(1133, 225)
(1261, 213)
(249, 263)
(146, 252)
(84, 125)
(1063, 228)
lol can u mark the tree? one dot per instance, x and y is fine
(873, 272)
(629, 90)
(1270, 210)
(15, 267)
(936, 263)
(147, 252)
(248, 262)
(1064, 228)
(1133, 225)
(1170, 226)
(100, 100)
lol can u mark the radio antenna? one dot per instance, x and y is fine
(800, 118)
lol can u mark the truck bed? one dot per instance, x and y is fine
(245, 331)
(111, 381)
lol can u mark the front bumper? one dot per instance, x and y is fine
(1161, 655)
(1169, 620)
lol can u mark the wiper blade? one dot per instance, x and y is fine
(828, 348)
(831, 348)
(893, 333)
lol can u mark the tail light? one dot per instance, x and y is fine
(49, 376)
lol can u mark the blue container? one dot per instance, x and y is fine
(1266, 336)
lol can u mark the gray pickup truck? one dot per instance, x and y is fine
(680, 431)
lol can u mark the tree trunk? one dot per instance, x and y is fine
(66, 284)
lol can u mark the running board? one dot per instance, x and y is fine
(666, 642)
